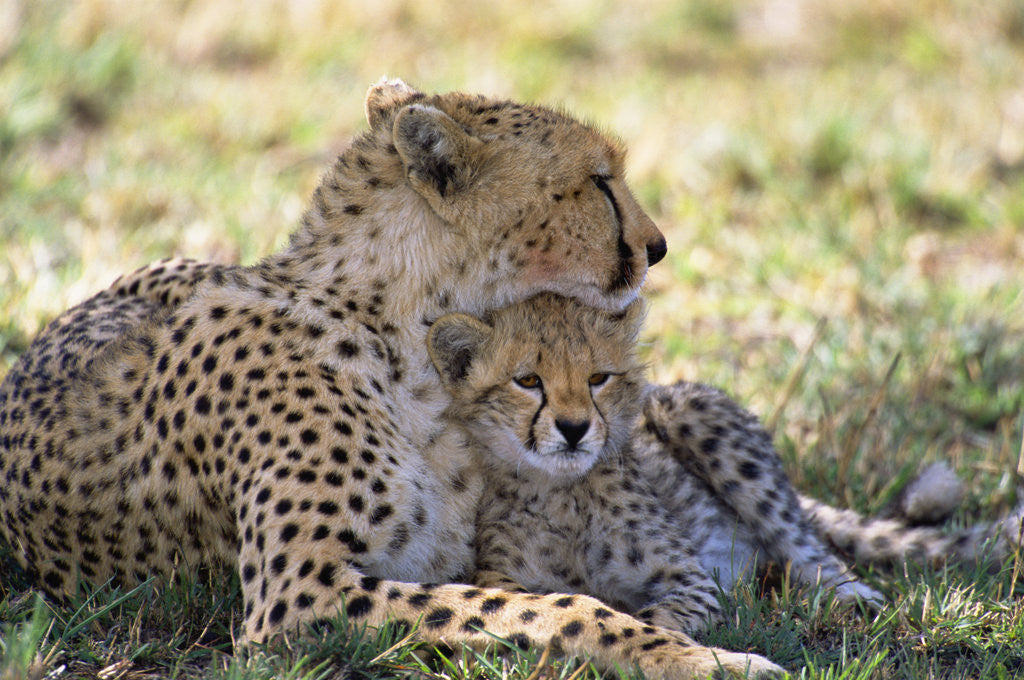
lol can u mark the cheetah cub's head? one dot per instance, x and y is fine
(546, 385)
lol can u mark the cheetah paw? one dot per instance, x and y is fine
(740, 665)
(851, 592)
(698, 663)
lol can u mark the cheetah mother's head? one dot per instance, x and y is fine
(530, 199)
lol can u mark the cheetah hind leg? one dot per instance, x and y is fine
(164, 284)
(726, 447)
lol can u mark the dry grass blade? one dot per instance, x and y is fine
(827, 424)
(1020, 456)
(579, 671)
(541, 663)
(854, 439)
(398, 645)
(115, 670)
(795, 375)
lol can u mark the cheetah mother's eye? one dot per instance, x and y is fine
(598, 379)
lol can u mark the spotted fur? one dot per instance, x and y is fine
(283, 419)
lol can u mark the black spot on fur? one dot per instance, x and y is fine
(492, 604)
(348, 349)
(359, 606)
(277, 612)
(326, 575)
(520, 640)
(473, 624)
(653, 644)
(572, 629)
(438, 618)
(749, 469)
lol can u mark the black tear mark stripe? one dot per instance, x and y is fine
(625, 273)
(531, 439)
(597, 408)
(601, 181)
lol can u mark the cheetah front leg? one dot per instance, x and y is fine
(454, 614)
(681, 599)
(658, 584)
(726, 447)
(302, 560)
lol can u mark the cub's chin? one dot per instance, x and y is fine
(556, 466)
(564, 465)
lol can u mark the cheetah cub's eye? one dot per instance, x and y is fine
(598, 379)
(530, 382)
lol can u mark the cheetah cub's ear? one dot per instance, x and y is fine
(454, 342)
(440, 158)
(383, 100)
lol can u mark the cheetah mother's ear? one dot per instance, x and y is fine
(439, 156)
(454, 342)
(385, 98)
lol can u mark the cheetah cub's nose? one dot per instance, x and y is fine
(572, 432)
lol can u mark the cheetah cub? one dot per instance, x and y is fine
(649, 498)
(551, 391)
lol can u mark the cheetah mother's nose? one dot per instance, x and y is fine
(656, 251)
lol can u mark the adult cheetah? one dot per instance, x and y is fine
(283, 419)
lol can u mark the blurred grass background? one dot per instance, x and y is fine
(841, 184)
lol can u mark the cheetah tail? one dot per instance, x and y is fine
(878, 541)
(931, 498)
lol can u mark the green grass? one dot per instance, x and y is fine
(841, 184)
